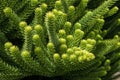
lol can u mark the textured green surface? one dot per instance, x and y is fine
(59, 39)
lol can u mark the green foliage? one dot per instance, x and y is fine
(67, 39)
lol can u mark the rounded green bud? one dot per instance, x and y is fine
(83, 44)
(55, 11)
(28, 29)
(35, 37)
(67, 27)
(8, 45)
(71, 8)
(91, 56)
(14, 49)
(119, 20)
(107, 62)
(80, 59)
(38, 28)
(74, 48)
(85, 52)
(38, 10)
(82, 33)
(91, 35)
(64, 56)
(119, 54)
(62, 32)
(88, 47)
(116, 8)
(73, 57)
(44, 6)
(91, 41)
(88, 59)
(70, 51)
(103, 73)
(84, 57)
(50, 15)
(68, 24)
(77, 25)
(116, 37)
(25, 54)
(22, 24)
(34, 2)
(50, 45)
(78, 53)
(56, 56)
(101, 20)
(62, 41)
(63, 47)
(58, 3)
(79, 32)
(61, 13)
(99, 37)
(37, 50)
(70, 37)
(113, 11)
(104, 32)
(78, 49)
(118, 44)
(89, 13)
(7, 11)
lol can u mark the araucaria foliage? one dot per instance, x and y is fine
(59, 39)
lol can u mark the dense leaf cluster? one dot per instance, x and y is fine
(59, 39)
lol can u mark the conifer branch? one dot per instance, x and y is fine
(71, 39)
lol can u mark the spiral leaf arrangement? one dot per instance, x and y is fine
(68, 39)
